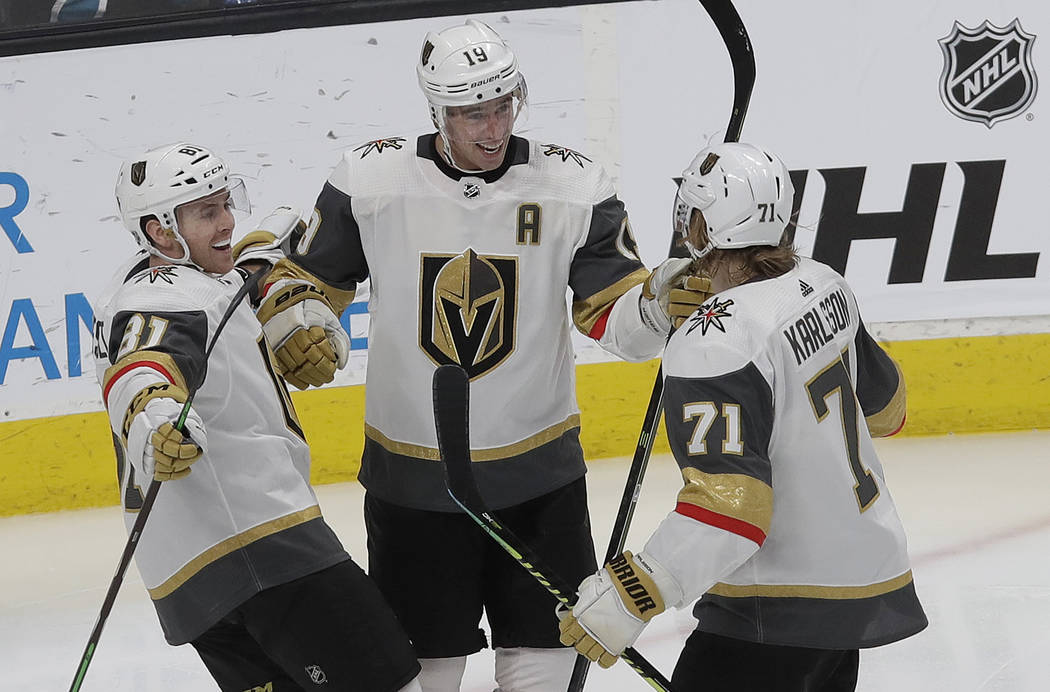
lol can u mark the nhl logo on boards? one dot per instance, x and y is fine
(988, 73)
(317, 675)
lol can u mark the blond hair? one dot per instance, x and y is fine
(756, 261)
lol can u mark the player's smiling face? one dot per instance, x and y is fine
(207, 225)
(478, 134)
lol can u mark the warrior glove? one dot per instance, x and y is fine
(671, 294)
(304, 333)
(614, 605)
(166, 453)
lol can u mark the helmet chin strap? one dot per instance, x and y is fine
(701, 252)
(186, 258)
(446, 151)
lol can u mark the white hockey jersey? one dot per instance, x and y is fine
(785, 523)
(245, 518)
(473, 270)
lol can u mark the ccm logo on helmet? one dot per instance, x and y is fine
(213, 171)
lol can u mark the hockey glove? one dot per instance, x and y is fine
(613, 607)
(166, 453)
(269, 242)
(671, 294)
(303, 332)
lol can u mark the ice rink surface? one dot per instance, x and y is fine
(976, 509)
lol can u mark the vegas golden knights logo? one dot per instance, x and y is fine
(468, 309)
(138, 173)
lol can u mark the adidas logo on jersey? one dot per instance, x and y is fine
(806, 288)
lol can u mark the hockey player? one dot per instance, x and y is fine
(785, 525)
(236, 556)
(471, 237)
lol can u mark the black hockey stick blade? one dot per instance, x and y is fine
(451, 389)
(147, 505)
(452, 419)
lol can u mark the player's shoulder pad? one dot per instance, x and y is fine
(724, 335)
(376, 148)
(820, 272)
(564, 166)
(814, 278)
(364, 165)
(170, 287)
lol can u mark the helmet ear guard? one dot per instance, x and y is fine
(744, 193)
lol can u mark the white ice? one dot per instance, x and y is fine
(976, 509)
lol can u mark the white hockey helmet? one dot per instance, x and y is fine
(466, 65)
(744, 192)
(158, 182)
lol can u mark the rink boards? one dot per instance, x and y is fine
(973, 384)
(929, 205)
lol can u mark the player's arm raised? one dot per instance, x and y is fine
(308, 290)
(269, 243)
(626, 308)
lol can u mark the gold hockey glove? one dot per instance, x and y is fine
(671, 294)
(303, 332)
(173, 453)
(161, 451)
(683, 302)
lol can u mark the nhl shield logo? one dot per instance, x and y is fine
(988, 74)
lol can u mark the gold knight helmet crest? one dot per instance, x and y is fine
(469, 305)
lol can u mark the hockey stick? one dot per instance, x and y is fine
(451, 417)
(742, 57)
(147, 503)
